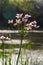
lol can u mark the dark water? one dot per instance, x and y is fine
(35, 37)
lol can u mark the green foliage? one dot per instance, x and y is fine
(0, 3)
(0, 54)
(21, 5)
(9, 61)
(6, 61)
(25, 5)
(29, 46)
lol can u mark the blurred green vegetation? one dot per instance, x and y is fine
(25, 6)
(21, 5)
(9, 8)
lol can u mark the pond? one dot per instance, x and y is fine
(31, 57)
(31, 51)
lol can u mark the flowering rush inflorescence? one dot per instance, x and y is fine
(24, 19)
(4, 38)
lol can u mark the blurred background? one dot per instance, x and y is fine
(9, 9)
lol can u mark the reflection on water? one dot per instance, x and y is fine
(27, 57)
(32, 57)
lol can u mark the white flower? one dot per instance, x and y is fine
(19, 15)
(7, 38)
(10, 21)
(2, 37)
(27, 16)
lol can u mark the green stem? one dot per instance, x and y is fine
(9, 61)
(6, 61)
(20, 47)
(2, 52)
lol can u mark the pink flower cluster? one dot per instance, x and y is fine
(20, 18)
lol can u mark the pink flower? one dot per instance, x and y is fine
(27, 16)
(19, 15)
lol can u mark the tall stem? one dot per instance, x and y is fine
(20, 47)
(2, 52)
